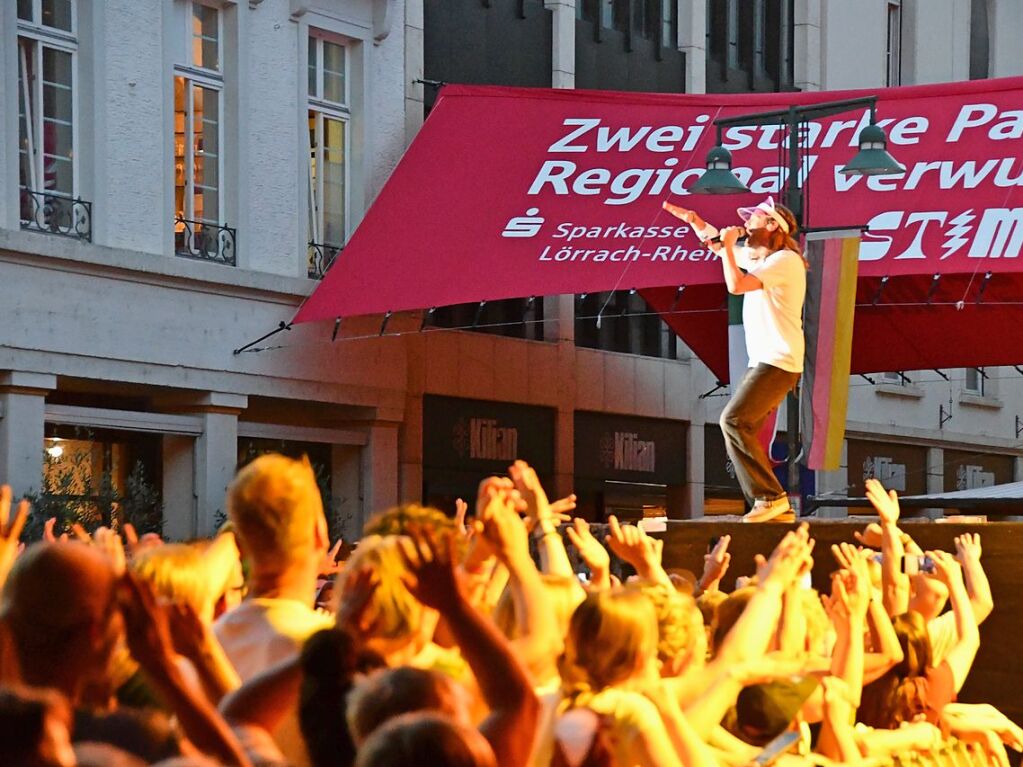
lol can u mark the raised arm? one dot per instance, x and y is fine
(514, 709)
(150, 643)
(968, 553)
(553, 558)
(632, 545)
(593, 554)
(894, 583)
(737, 281)
(960, 657)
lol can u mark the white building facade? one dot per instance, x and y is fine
(174, 174)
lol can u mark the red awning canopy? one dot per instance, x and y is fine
(516, 192)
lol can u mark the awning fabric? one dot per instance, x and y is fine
(511, 192)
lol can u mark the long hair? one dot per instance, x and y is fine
(897, 696)
(610, 634)
(781, 240)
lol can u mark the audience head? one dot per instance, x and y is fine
(64, 635)
(928, 595)
(276, 511)
(179, 572)
(677, 617)
(35, 728)
(612, 637)
(728, 612)
(399, 622)
(897, 696)
(396, 520)
(388, 693)
(426, 738)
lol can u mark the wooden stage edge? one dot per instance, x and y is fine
(997, 674)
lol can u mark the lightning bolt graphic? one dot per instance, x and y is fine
(955, 237)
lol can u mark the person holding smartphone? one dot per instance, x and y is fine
(770, 273)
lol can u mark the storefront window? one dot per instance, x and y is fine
(99, 477)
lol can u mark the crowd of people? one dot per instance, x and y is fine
(507, 635)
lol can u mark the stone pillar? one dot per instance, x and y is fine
(692, 33)
(806, 46)
(346, 483)
(179, 497)
(380, 470)
(414, 95)
(935, 478)
(22, 415)
(563, 48)
(696, 462)
(216, 456)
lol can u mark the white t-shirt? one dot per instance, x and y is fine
(772, 317)
(260, 633)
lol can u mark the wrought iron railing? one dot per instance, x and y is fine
(320, 258)
(205, 241)
(56, 214)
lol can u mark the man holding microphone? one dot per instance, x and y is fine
(769, 271)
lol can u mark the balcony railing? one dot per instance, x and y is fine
(204, 241)
(320, 258)
(56, 214)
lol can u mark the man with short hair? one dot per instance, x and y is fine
(275, 507)
(770, 273)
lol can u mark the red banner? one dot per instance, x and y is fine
(515, 192)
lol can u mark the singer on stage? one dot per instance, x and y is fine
(769, 271)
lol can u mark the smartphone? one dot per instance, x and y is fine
(913, 564)
(776, 748)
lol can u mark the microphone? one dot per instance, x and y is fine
(716, 240)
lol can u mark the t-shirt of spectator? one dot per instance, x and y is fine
(772, 317)
(260, 633)
(939, 691)
(943, 635)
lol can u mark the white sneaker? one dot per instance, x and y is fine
(778, 510)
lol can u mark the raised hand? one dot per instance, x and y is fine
(731, 235)
(501, 525)
(461, 509)
(48, 535)
(561, 509)
(679, 212)
(885, 503)
(870, 537)
(968, 547)
(715, 563)
(10, 533)
(357, 589)
(147, 626)
(110, 545)
(330, 565)
(432, 576)
(538, 507)
(946, 567)
(594, 555)
(853, 559)
(788, 559)
(631, 544)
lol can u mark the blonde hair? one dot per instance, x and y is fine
(177, 573)
(396, 520)
(275, 507)
(609, 637)
(674, 619)
(396, 615)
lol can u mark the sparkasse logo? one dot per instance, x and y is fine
(524, 226)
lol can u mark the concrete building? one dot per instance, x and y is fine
(175, 175)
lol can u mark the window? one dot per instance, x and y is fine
(894, 47)
(976, 378)
(198, 142)
(101, 477)
(329, 117)
(47, 49)
(627, 325)
(896, 377)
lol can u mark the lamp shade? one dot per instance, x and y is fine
(718, 178)
(873, 158)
